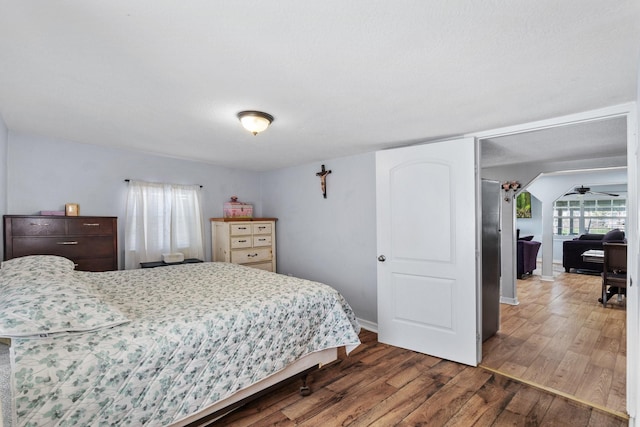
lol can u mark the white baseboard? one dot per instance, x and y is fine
(510, 301)
(547, 278)
(369, 326)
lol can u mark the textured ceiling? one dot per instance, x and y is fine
(590, 140)
(340, 77)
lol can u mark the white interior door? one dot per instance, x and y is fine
(426, 231)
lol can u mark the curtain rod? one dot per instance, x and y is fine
(128, 180)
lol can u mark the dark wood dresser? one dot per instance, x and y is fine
(89, 241)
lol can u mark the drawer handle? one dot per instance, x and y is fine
(242, 241)
(242, 228)
(262, 240)
(40, 225)
(68, 243)
(93, 224)
(252, 255)
(261, 228)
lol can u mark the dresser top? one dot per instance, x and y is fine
(241, 219)
(57, 216)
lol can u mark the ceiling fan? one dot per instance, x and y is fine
(582, 190)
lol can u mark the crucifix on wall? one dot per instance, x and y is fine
(323, 180)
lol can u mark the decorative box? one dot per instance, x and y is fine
(50, 213)
(173, 257)
(236, 209)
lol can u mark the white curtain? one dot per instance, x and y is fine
(162, 218)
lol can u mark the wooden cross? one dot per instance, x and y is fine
(323, 180)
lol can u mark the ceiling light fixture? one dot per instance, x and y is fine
(255, 121)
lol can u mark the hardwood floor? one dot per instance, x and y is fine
(560, 337)
(381, 385)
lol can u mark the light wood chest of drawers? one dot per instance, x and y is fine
(89, 241)
(250, 242)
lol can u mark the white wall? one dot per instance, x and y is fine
(44, 174)
(527, 172)
(4, 140)
(633, 318)
(331, 240)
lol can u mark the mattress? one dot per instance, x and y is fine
(160, 344)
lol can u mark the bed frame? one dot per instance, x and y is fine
(299, 369)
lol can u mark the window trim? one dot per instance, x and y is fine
(581, 218)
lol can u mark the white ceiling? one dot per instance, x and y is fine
(589, 140)
(340, 77)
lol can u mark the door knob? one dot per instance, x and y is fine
(382, 258)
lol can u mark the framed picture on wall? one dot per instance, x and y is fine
(523, 205)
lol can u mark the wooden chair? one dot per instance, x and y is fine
(614, 268)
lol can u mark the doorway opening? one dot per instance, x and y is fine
(538, 308)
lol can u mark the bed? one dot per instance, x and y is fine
(163, 346)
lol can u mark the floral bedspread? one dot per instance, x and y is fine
(195, 334)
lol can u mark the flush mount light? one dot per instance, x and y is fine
(255, 121)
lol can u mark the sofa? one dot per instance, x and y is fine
(572, 250)
(527, 255)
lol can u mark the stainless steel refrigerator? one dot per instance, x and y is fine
(491, 202)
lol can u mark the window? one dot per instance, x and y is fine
(162, 218)
(566, 218)
(588, 215)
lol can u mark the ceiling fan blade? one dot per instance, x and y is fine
(605, 194)
(582, 190)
